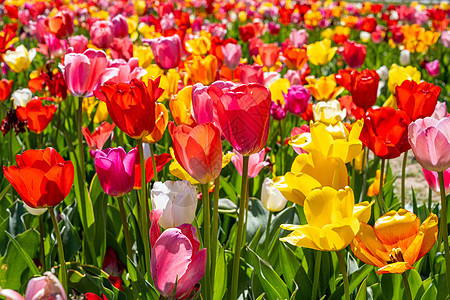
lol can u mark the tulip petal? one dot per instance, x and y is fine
(304, 236)
(193, 274)
(368, 248)
(396, 268)
(363, 210)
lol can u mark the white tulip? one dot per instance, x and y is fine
(271, 197)
(405, 57)
(329, 112)
(21, 97)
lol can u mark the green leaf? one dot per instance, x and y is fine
(289, 265)
(430, 293)
(355, 279)
(34, 270)
(362, 293)
(220, 278)
(390, 286)
(143, 287)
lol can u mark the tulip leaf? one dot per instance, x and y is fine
(34, 270)
(3, 237)
(220, 278)
(271, 282)
(355, 279)
(415, 283)
(261, 297)
(362, 292)
(290, 266)
(430, 293)
(143, 287)
(257, 216)
(228, 188)
(390, 286)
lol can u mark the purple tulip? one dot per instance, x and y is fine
(115, 170)
(297, 99)
(167, 51)
(432, 68)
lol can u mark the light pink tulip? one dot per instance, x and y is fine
(298, 37)
(440, 111)
(127, 70)
(445, 38)
(252, 74)
(86, 72)
(175, 256)
(45, 287)
(10, 294)
(232, 54)
(432, 179)
(256, 162)
(430, 141)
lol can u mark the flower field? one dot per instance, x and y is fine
(221, 149)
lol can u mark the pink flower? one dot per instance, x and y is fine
(86, 72)
(127, 70)
(430, 140)
(256, 162)
(45, 287)
(298, 37)
(432, 68)
(445, 38)
(232, 54)
(56, 47)
(167, 51)
(433, 180)
(252, 74)
(101, 33)
(297, 99)
(121, 48)
(78, 43)
(120, 26)
(175, 256)
(440, 111)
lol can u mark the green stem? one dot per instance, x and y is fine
(80, 139)
(380, 191)
(280, 123)
(407, 287)
(344, 274)
(41, 234)
(444, 225)
(353, 180)
(126, 230)
(430, 198)
(63, 270)
(267, 240)
(364, 170)
(240, 232)
(39, 140)
(144, 210)
(215, 230)
(58, 123)
(155, 172)
(207, 237)
(405, 158)
(318, 260)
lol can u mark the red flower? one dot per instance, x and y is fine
(369, 24)
(60, 25)
(5, 88)
(6, 37)
(247, 31)
(54, 82)
(38, 116)
(354, 54)
(42, 177)
(417, 100)
(97, 139)
(269, 54)
(385, 132)
(160, 160)
(362, 85)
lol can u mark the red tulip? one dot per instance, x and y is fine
(97, 139)
(60, 25)
(385, 132)
(38, 116)
(198, 150)
(418, 100)
(160, 160)
(354, 54)
(5, 88)
(269, 54)
(247, 32)
(362, 85)
(42, 177)
(244, 114)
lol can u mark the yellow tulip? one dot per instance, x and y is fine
(399, 74)
(161, 121)
(278, 88)
(139, 6)
(391, 101)
(201, 69)
(168, 82)
(312, 18)
(324, 88)
(321, 53)
(333, 220)
(101, 114)
(198, 46)
(144, 55)
(181, 107)
(19, 60)
(328, 33)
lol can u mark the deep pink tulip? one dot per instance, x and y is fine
(256, 162)
(278, 111)
(45, 287)
(167, 51)
(432, 179)
(120, 26)
(78, 43)
(297, 99)
(232, 54)
(432, 68)
(175, 256)
(243, 113)
(252, 74)
(37, 29)
(115, 170)
(56, 47)
(430, 141)
(128, 70)
(86, 72)
(101, 33)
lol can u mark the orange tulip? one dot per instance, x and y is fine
(161, 121)
(294, 58)
(396, 241)
(201, 70)
(5, 89)
(181, 107)
(269, 54)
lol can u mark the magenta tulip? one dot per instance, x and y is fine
(297, 99)
(101, 33)
(432, 68)
(430, 141)
(432, 179)
(175, 257)
(167, 51)
(85, 72)
(232, 54)
(120, 26)
(78, 43)
(256, 162)
(115, 170)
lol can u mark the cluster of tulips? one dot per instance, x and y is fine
(223, 150)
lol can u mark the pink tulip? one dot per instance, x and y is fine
(232, 54)
(430, 141)
(45, 287)
(252, 74)
(10, 294)
(120, 26)
(298, 38)
(115, 170)
(297, 99)
(432, 68)
(101, 33)
(127, 70)
(256, 162)
(445, 38)
(175, 257)
(167, 51)
(37, 29)
(294, 76)
(78, 43)
(56, 47)
(440, 111)
(86, 72)
(433, 180)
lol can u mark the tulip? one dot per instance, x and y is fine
(354, 54)
(181, 107)
(417, 100)
(300, 137)
(440, 111)
(269, 54)
(36, 115)
(333, 220)
(297, 99)
(177, 200)
(56, 47)
(5, 88)
(294, 58)
(251, 74)
(45, 286)
(98, 138)
(432, 68)
(363, 86)
(445, 38)
(160, 162)
(198, 150)
(321, 53)
(52, 177)
(21, 97)
(161, 121)
(120, 26)
(78, 43)
(60, 25)
(244, 114)
(278, 89)
(396, 241)
(232, 54)
(201, 70)
(328, 112)
(399, 74)
(121, 48)
(405, 57)
(132, 105)
(167, 51)
(19, 60)
(115, 170)
(128, 70)
(325, 88)
(10, 294)
(85, 73)
(432, 179)
(374, 188)
(271, 197)
(278, 110)
(256, 162)
(198, 46)
(298, 38)
(101, 33)
(175, 258)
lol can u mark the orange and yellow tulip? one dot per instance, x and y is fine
(201, 69)
(181, 107)
(161, 121)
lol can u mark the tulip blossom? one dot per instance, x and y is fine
(271, 197)
(198, 46)
(47, 286)
(298, 37)
(232, 54)
(440, 111)
(354, 54)
(333, 220)
(56, 47)
(256, 162)
(181, 107)
(294, 58)
(86, 72)
(363, 86)
(78, 43)
(321, 53)
(399, 74)
(177, 200)
(120, 26)
(198, 150)
(160, 161)
(127, 70)
(201, 70)
(60, 25)
(115, 170)
(5, 88)
(98, 138)
(328, 112)
(432, 179)
(167, 51)
(36, 115)
(21, 97)
(101, 33)
(175, 258)
(324, 88)
(161, 121)
(244, 114)
(297, 99)
(269, 54)
(300, 137)
(52, 177)
(432, 68)
(251, 74)
(417, 100)
(374, 188)
(19, 60)
(429, 139)
(405, 57)
(396, 241)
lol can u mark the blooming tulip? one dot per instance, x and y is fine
(363, 86)
(120, 26)
(432, 68)
(52, 177)
(271, 197)
(115, 170)
(269, 54)
(60, 25)
(417, 100)
(328, 112)
(298, 37)
(47, 286)
(232, 54)
(445, 38)
(101, 33)
(177, 200)
(354, 54)
(294, 58)
(175, 258)
(405, 57)
(201, 70)
(300, 137)
(56, 47)
(86, 72)
(429, 139)
(324, 88)
(19, 60)
(396, 241)
(5, 88)
(21, 97)
(127, 70)
(78, 43)
(321, 53)
(161, 121)
(440, 111)
(251, 74)
(97, 139)
(399, 74)
(198, 46)
(297, 99)
(36, 115)
(374, 188)
(181, 107)
(256, 162)
(167, 51)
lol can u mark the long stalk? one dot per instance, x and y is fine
(405, 158)
(280, 123)
(407, 287)
(344, 274)
(207, 238)
(364, 170)
(126, 230)
(155, 172)
(215, 230)
(80, 139)
(380, 191)
(63, 270)
(41, 234)
(444, 231)
(242, 213)
(267, 240)
(318, 261)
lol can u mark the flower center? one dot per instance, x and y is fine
(396, 255)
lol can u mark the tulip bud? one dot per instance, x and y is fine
(271, 197)
(21, 97)
(405, 57)
(45, 287)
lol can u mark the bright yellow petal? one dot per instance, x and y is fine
(396, 268)
(304, 236)
(362, 211)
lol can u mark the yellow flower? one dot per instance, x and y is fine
(321, 53)
(20, 59)
(391, 101)
(399, 74)
(327, 33)
(312, 18)
(198, 46)
(333, 220)
(168, 82)
(140, 6)
(161, 121)
(181, 107)
(144, 55)
(242, 15)
(101, 113)
(201, 69)
(325, 88)
(278, 88)
(328, 112)
(374, 188)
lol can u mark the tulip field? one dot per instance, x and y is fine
(215, 149)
